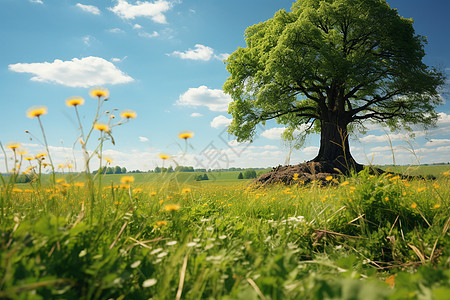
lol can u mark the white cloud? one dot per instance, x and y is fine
(148, 35)
(153, 10)
(273, 133)
(116, 30)
(87, 40)
(89, 8)
(137, 26)
(37, 1)
(214, 99)
(143, 139)
(311, 150)
(200, 52)
(84, 72)
(220, 121)
(116, 59)
(437, 142)
(196, 115)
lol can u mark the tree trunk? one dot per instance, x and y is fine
(334, 146)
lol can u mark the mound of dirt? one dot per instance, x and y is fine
(303, 173)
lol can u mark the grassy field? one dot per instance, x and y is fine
(166, 236)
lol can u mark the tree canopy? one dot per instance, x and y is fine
(328, 66)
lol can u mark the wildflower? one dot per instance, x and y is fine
(28, 158)
(153, 194)
(79, 184)
(108, 159)
(62, 166)
(74, 101)
(13, 146)
(164, 156)
(128, 114)
(22, 151)
(295, 176)
(127, 179)
(161, 202)
(391, 280)
(387, 198)
(446, 173)
(394, 178)
(186, 135)
(124, 186)
(345, 183)
(99, 92)
(171, 207)
(186, 191)
(60, 180)
(329, 178)
(414, 205)
(436, 206)
(36, 111)
(161, 223)
(421, 189)
(41, 155)
(101, 127)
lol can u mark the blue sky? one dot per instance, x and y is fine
(163, 59)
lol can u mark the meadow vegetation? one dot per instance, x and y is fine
(166, 236)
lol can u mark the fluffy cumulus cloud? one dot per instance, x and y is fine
(143, 139)
(84, 72)
(437, 142)
(148, 35)
(153, 10)
(89, 8)
(196, 115)
(273, 133)
(37, 1)
(214, 99)
(220, 121)
(200, 52)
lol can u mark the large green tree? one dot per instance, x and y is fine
(328, 66)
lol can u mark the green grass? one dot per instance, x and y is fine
(227, 240)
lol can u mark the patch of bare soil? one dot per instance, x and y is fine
(303, 173)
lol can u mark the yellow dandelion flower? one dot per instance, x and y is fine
(79, 184)
(153, 194)
(186, 191)
(329, 178)
(391, 280)
(295, 176)
(98, 92)
(186, 135)
(62, 166)
(108, 159)
(446, 173)
(386, 199)
(74, 101)
(128, 114)
(414, 205)
(124, 186)
(171, 207)
(127, 179)
(161, 223)
(60, 180)
(41, 155)
(164, 156)
(70, 166)
(345, 183)
(436, 206)
(17, 190)
(101, 127)
(28, 158)
(36, 111)
(138, 190)
(161, 202)
(22, 151)
(13, 146)
(421, 189)
(65, 185)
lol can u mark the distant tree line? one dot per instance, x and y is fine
(112, 170)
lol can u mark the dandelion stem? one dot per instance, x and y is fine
(48, 152)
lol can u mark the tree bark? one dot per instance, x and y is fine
(334, 146)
